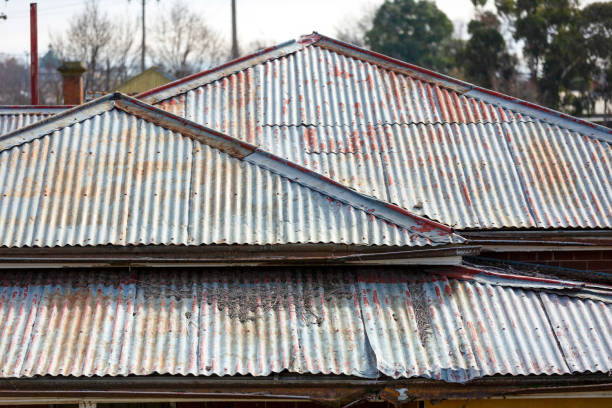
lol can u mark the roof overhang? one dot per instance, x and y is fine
(231, 255)
(540, 240)
(327, 389)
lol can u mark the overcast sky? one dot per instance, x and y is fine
(273, 21)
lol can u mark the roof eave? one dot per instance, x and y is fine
(291, 387)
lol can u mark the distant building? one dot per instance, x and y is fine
(147, 79)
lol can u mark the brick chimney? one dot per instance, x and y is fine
(72, 82)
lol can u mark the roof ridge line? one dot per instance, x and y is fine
(383, 210)
(48, 125)
(236, 65)
(468, 89)
(314, 181)
(236, 148)
(465, 88)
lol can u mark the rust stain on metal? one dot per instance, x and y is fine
(430, 144)
(362, 322)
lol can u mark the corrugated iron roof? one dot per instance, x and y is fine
(436, 146)
(355, 322)
(16, 117)
(117, 171)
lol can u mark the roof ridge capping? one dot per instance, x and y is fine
(59, 120)
(431, 230)
(496, 98)
(193, 81)
(463, 87)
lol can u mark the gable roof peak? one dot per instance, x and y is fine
(316, 39)
(425, 229)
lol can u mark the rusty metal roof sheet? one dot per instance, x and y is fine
(16, 117)
(117, 171)
(438, 147)
(444, 325)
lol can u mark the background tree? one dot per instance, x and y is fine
(596, 34)
(183, 43)
(536, 22)
(353, 30)
(106, 48)
(485, 58)
(14, 82)
(414, 31)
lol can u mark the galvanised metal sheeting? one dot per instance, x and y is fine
(117, 179)
(457, 330)
(485, 175)
(584, 331)
(317, 321)
(316, 86)
(495, 167)
(12, 118)
(522, 174)
(201, 323)
(111, 179)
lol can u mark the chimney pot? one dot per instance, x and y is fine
(72, 82)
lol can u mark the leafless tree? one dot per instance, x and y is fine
(183, 43)
(105, 47)
(14, 85)
(352, 30)
(120, 57)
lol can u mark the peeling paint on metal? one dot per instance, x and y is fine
(199, 323)
(455, 330)
(319, 321)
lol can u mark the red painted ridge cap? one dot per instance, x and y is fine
(418, 219)
(213, 70)
(121, 98)
(308, 39)
(543, 109)
(469, 86)
(404, 64)
(468, 273)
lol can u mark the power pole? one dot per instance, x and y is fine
(143, 47)
(33, 54)
(234, 32)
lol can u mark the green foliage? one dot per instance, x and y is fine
(536, 22)
(485, 59)
(414, 31)
(567, 50)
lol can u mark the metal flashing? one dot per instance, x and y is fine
(160, 93)
(411, 138)
(323, 217)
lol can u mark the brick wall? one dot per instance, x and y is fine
(600, 261)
